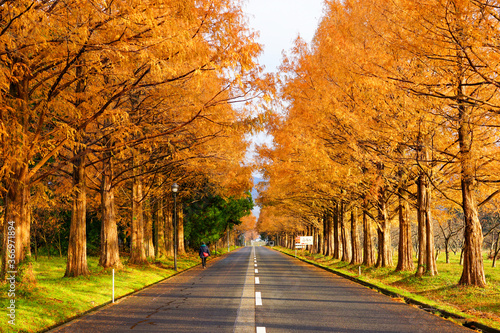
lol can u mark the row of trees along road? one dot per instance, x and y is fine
(104, 104)
(391, 113)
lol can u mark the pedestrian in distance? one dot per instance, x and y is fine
(204, 253)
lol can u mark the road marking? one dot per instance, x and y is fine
(257, 280)
(258, 298)
(256, 271)
(261, 330)
(245, 319)
(255, 265)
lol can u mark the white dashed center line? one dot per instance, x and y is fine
(258, 298)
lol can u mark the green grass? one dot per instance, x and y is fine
(442, 291)
(54, 299)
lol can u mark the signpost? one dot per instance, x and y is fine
(306, 240)
(302, 241)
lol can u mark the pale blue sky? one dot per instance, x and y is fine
(279, 22)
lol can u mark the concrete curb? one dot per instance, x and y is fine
(426, 307)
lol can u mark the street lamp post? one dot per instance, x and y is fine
(175, 188)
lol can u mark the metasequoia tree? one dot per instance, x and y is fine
(88, 71)
(51, 67)
(404, 95)
(32, 67)
(463, 99)
(351, 96)
(332, 127)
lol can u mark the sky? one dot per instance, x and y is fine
(279, 22)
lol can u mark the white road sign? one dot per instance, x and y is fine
(301, 241)
(306, 240)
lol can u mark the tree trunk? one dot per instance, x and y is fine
(309, 232)
(110, 254)
(325, 233)
(368, 248)
(429, 231)
(137, 252)
(35, 236)
(160, 248)
(344, 234)
(320, 238)
(356, 250)
(384, 258)
(495, 252)
(447, 249)
(329, 234)
(473, 269)
(405, 255)
(16, 225)
(17, 217)
(169, 230)
(421, 217)
(337, 241)
(324, 248)
(317, 240)
(181, 249)
(148, 231)
(77, 247)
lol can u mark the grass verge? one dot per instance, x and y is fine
(54, 299)
(442, 292)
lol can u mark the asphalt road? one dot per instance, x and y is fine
(258, 290)
(297, 297)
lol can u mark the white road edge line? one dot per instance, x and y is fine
(258, 298)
